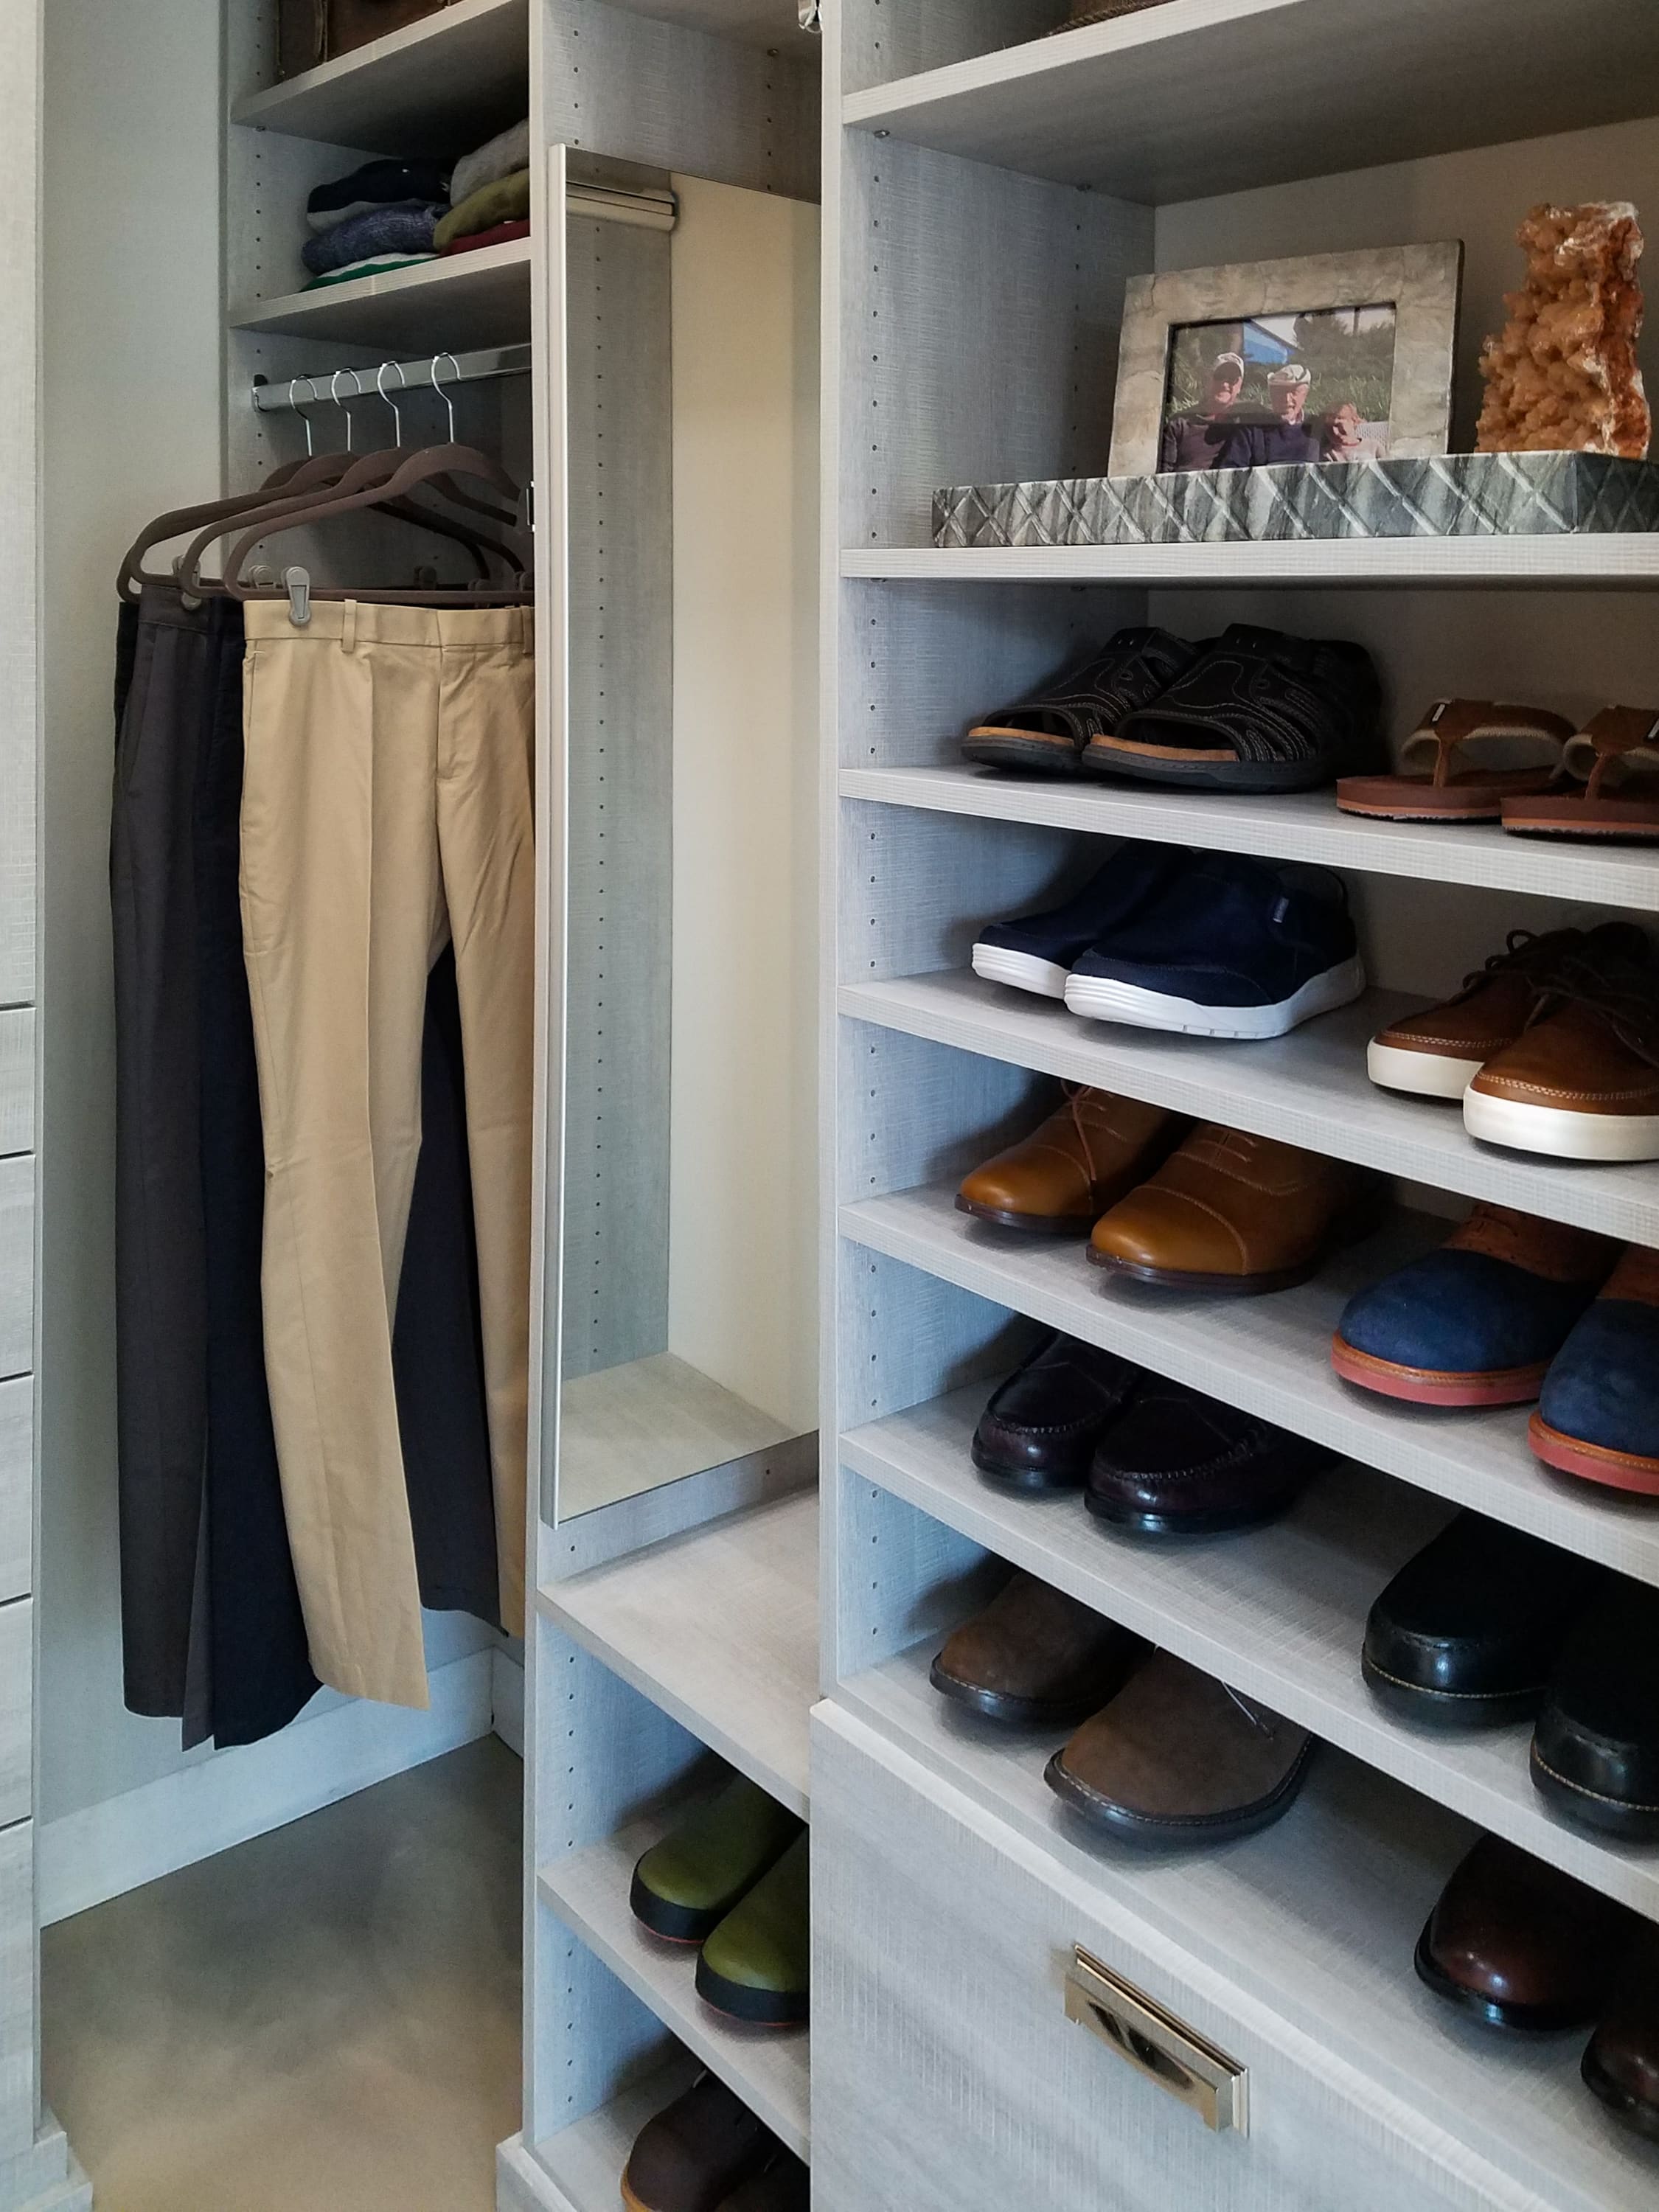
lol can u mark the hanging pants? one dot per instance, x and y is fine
(387, 810)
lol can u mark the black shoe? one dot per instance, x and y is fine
(1179, 1464)
(1040, 1429)
(1595, 1748)
(1468, 1633)
(1259, 712)
(1045, 733)
(1034, 951)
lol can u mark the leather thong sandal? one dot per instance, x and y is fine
(1448, 793)
(1612, 754)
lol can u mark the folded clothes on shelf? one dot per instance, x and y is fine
(501, 156)
(403, 230)
(506, 200)
(499, 233)
(375, 264)
(378, 185)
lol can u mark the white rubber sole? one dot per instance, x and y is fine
(1098, 999)
(1021, 971)
(1563, 1135)
(1425, 1075)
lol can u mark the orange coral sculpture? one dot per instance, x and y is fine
(1563, 377)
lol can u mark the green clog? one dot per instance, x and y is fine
(755, 1966)
(686, 1885)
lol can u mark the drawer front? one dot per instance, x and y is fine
(17, 1486)
(17, 1265)
(16, 1708)
(17, 2094)
(948, 2077)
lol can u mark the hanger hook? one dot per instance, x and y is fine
(292, 382)
(334, 394)
(397, 412)
(441, 393)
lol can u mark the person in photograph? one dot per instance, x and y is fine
(1285, 436)
(1193, 439)
(1349, 437)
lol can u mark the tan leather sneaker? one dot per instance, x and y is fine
(1233, 1213)
(1060, 1180)
(1438, 1054)
(1582, 1080)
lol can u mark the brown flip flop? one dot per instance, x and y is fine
(1469, 794)
(1620, 746)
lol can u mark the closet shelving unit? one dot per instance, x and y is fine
(987, 188)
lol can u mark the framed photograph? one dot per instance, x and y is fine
(1337, 357)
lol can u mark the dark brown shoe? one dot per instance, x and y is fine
(695, 2153)
(1036, 1657)
(1041, 1427)
(1233, 1213)
(1179, 1757)
(1060, 1179)
(785, 2186)
(1621, 2064)
(1519, 1944)
(1179, 1464)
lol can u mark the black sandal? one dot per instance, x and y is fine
(1046, 734)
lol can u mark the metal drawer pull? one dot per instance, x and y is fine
(1156, 2044)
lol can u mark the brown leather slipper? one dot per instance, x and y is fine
(1466, 794)
(1618, 748)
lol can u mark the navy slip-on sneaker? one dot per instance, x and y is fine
(1477, 1323)
(1230, 948)
(1035, 951)
(1598, 1416)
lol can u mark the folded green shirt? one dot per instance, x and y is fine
(507, 200)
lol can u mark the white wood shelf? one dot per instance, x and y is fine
(459, 300)
(1310, 1088)
(440, 86)
(1608, 560)
(720, 1628)
(1278, 1613)
(1270, 1355)
(586, 2161)
(1301, 825)
(1134, 107)
(1317, 1917)
(768, 2068)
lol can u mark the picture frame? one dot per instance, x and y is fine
(1412, 292)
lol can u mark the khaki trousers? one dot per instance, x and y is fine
(387, 807)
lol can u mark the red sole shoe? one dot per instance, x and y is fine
(1428, 1386)
(1593, 1462)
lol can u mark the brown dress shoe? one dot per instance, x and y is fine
(1621, 2064)
(1519, 1944)
(695, 2153)
(785, 2186)
(1060, 1179)
(1582, 1080)
(1036, 1657)
(1179, 1757)
(1229, 1211)
(1438, 1054)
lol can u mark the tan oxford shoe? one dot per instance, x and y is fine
(1060, 1179)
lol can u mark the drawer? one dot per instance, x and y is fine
(947, 2077)
(17, 1486)
(16, 1708)
(18, 1265)
(17, 2091)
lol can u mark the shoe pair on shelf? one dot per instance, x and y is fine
(1165, 1754)
(1149, 1457)
(707, 2153)
(732, 1878)
(1199, 1208)
(1488, 1626)
(1253, 710)
(1510, 1309)
(1205, 944)
(1615, 757)
(1516, 1944)
(1552, 1047)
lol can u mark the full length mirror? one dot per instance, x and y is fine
(689, 1319)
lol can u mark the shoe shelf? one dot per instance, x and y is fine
(1299, 826)
(469, 300)
(1310, 1088)
(719, 1628)
(440, 86)
(1129, 107)
(767, 2067)
(1278, 1613)
(1550, 564)
(1269, 1356)
(586, 2162)
(1316, 1918)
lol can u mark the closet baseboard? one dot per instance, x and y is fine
(103, 1851)
(507, 1695)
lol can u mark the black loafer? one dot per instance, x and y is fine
(1595, 1748)
(1040, 1429)
(1179, 1464)
(1468, 1633)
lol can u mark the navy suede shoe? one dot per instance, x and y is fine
(1478, 1323)
(1035, 952)
(1231, 948)
(1599, 1414)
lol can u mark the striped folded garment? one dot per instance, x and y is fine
(376, 264)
